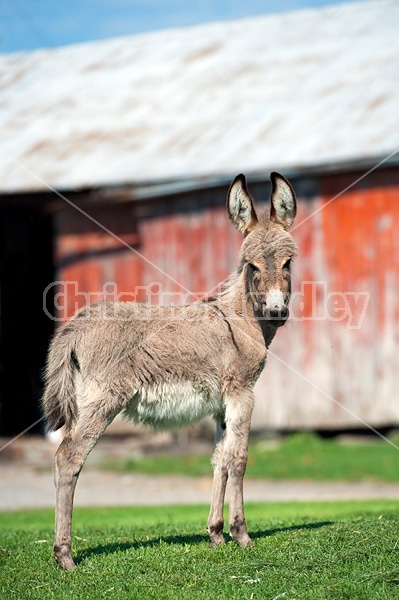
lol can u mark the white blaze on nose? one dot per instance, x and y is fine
(274, 299)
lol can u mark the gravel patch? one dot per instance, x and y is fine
(25, 487)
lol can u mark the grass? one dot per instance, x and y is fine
(302, 550)
(300, 456)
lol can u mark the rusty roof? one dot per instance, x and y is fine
(287, 90)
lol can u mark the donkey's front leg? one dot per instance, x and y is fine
(238, 421)
(215, 520)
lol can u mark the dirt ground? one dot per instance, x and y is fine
(26, 481)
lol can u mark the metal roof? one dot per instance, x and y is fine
(285, 91)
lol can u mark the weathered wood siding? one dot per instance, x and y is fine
(336, 363)
(341, 357)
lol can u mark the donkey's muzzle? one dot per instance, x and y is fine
(278, 316)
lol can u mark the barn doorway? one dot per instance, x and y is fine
(26, 268)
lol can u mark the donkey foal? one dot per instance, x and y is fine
(171, 366)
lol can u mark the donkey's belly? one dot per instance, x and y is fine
(172, 405)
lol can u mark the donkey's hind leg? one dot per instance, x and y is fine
(69, 460)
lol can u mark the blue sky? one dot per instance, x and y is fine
(31, 24)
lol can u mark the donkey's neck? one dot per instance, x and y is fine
(268, 330)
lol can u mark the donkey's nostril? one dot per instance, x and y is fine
(278, 312)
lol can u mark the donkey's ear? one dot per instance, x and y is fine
(283, 202)
(240, 206)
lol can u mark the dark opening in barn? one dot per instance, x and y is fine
(26, 268)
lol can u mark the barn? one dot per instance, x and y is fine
(115, 162)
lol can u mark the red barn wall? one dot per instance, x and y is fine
(335, 364)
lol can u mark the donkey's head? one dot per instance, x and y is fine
(267, 249)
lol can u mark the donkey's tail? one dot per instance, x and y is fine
(59, 399)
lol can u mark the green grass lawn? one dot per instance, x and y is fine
(302, 550)
(300, 456)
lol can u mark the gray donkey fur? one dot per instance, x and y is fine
(170, 366)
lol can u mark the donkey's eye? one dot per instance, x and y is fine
(287, 264)
(254, 268)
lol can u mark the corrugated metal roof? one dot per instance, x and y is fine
(281, 91)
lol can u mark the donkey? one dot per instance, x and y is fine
(170, 366)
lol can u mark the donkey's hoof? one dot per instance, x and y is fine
(62, 555)
(217, 540)
(65, 562)
(244, 541)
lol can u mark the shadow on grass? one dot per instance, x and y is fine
(183, 539)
